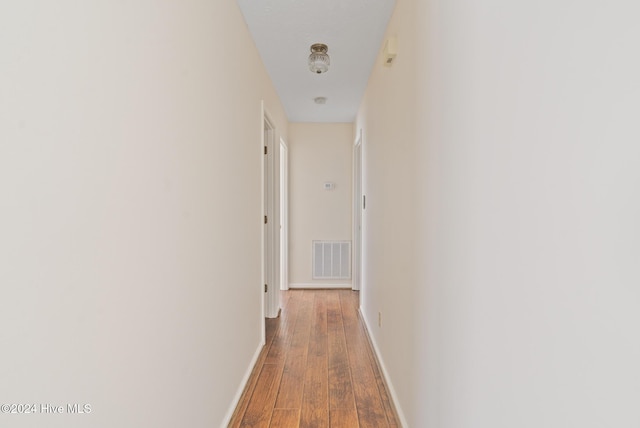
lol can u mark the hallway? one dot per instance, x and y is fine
(317, 368)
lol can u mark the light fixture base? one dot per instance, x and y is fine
(319, 48)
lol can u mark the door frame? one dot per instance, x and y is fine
(358, 207)
(270, 209)
(284, 215)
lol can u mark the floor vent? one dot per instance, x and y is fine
(331, 259)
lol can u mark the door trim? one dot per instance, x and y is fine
(284, 215)
(357, 251)
(270, 211)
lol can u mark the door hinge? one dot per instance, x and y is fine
(265, 150)
(266, 287)
(265, 219)
(364, 202)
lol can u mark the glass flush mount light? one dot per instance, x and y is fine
(319, 60)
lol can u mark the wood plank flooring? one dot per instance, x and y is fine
(317, 368)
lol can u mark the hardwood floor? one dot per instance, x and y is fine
(317, 368)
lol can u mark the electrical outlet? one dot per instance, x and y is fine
(379, 319)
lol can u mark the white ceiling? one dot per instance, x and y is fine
(284, 30)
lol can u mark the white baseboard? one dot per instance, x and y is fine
(392, 391)
(317, 285)
(243, 384)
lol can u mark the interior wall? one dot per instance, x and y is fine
(130, 197)
(387, 118)
(318, 153)
(522, 161)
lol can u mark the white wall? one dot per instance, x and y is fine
(387, 118)
(318, 153)
(523, 161)
(129, 209)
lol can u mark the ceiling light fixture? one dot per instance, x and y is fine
(319, 60)
(320, 100)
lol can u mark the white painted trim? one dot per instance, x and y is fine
(357, 192)
(243, 384)
(316, 285)
(271, 208)
(284, 215)
(261, 157)
(385, 374)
